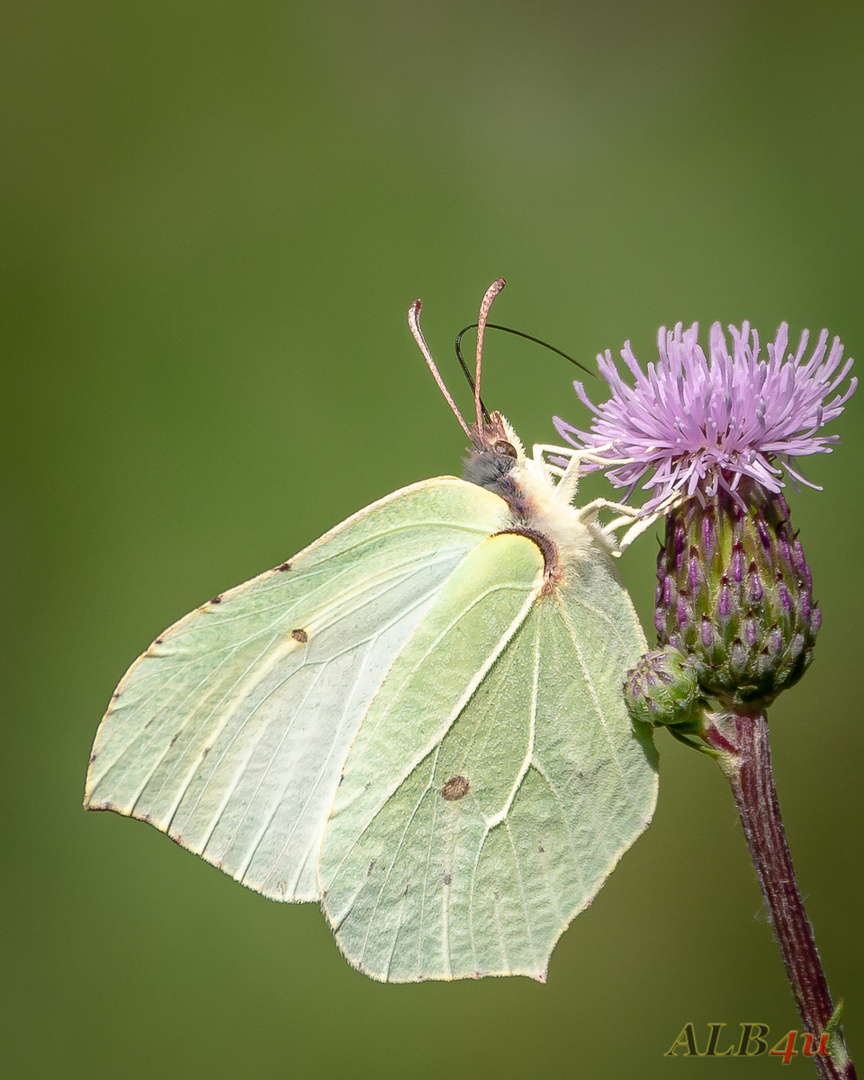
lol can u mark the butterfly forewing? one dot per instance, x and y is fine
(230, 732)
(472, 827)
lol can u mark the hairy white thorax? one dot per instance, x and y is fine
(537, 501)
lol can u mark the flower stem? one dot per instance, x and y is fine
(740, 742)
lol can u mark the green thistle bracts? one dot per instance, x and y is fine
(734, 596)
(663, 689)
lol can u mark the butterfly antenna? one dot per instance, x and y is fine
(414, 324)
(464, 366)
(493, 290)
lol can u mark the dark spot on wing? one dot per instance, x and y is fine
(158, 641)
(448, 880)
(300, 635)
(407, 887)
(371, 868)
(455, 788)
(92, 757)
(283, 567)
(216, 599)
(541, 849)
(115, 695)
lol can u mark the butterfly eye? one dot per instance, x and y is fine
(501, 446)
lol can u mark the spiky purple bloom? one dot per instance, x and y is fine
(703, 423)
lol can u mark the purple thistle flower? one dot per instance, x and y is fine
(703, 423)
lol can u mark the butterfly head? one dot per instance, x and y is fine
(495, 452)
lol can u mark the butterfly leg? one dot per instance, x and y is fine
(577, 454)
(605, 533)
(568, 475)
(636, 519)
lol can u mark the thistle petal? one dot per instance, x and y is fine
(698, 425)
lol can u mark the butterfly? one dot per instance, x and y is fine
(417, 721)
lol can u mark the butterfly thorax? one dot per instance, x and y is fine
(536, 505)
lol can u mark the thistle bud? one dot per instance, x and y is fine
(663, 689)
(734, 595)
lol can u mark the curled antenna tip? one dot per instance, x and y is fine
(493, 290)
(414, 324)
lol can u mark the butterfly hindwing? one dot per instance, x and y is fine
(497, 778)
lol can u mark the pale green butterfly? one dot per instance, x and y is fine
(418, 721)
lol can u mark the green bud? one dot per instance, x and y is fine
(663, 689)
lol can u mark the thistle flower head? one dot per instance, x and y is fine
(703, 423)
(734, 611)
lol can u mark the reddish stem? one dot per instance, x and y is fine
(748, 770)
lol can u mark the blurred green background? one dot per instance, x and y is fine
(214, 217)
